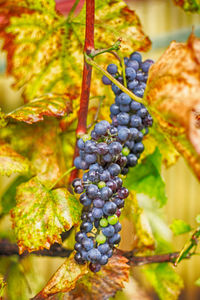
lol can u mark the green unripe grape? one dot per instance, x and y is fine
(86, 137)
(103, 222)
(101, 184)
(125, 151)
(112, 220)
(100, 238)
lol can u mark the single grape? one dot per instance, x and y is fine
(130, 73)
(114, 169)
(103, 222)
(108, 231)
(112, 219)
(123, 118)
(104, 248)
(106, 80)
(109, 208)
(87, 243)
(97, 213)
(112, 69)
(104, 260)
(100, 238)
(94, 255)
(86, 226)
(114, 109)
(115, 239)
(136, 56)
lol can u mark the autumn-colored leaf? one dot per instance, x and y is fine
(116, 21)
(47, 105)
(41, 215)
(37, 40)
(11, 161)
(172, 94)
(143, 238)
(41, 143)
(102, 285)
(64, 279)
(45, 49)
(189, 5)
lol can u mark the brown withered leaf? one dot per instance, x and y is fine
(47, 105)
(172, 94)
(102, 285)
(64, 279)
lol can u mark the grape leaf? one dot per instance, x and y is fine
(145, 178)
(41, 143)
(39, 46)
(41, 215)
(165, 281)
(180, 227)
(11, 162)
(143, 238)
(172, 94)
(45, 49)
(104, 284)
(2, 285)
(189, 5)
(117, 21)
(47, 105)
(8, 198)
(64, 279)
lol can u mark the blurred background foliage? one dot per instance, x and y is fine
(162, 22)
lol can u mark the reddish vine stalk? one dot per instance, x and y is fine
(86, 79)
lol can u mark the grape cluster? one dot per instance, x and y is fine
(130, 117)
(102, 194)
(106, 153)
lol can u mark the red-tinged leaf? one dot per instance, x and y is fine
(104, 284)
(172, 93)
(64, 279)
(116, 21)
(41, 215)
(11, 162)
(38, 45)
(47, 105)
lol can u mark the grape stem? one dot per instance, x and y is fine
(115, 81)
(114, 47)
(63, 175)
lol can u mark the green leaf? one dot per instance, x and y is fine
(64, 279)
(189, 5)
(180, 227)
(145, 178)
(12, 162)
(8, 198)
(166, 282)
(2, 285)
(197, 282)
(198, 218)
(41, 215)
(47, 105)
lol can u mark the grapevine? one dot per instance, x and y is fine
(110, 150)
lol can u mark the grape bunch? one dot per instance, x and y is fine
(130, 117)
(106, 153)
(102, 194)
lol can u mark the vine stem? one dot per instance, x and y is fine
(56, 250)
(115, 81)
(86, 79)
